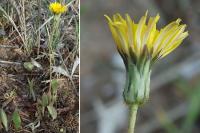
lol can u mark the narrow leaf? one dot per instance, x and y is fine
(54, 85)
(76, 63)
(28, 66)
(52, 111)
(4, 119)
(30, 83)
(45, 100)
(16, 119)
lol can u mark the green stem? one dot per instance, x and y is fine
(132, 118)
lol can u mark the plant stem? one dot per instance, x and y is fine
(132, 118)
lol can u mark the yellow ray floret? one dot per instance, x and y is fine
(145, 37)
(57, 8)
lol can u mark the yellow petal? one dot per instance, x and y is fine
(130, 32)
(122, 36)
(176, 35)
(118, 18)
(167, 37)
(161, 36)
(138, 35)
(114, 34)
(174, 45)
(150, 32)
(131, 38)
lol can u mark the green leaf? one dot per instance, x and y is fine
(52, 111)
(54, 85)
(4, 119)
(45, 100)
(28, 66)
(16, 119)
(31, 88)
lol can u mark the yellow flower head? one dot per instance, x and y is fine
(57, 8)
(144, 39)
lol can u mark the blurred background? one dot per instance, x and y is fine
(174, 104)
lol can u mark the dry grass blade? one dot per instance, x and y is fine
(12, 22)
(47, 21)
(76, 63)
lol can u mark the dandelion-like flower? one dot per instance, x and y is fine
(57, 8)
(137, 39)
(141, 45)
